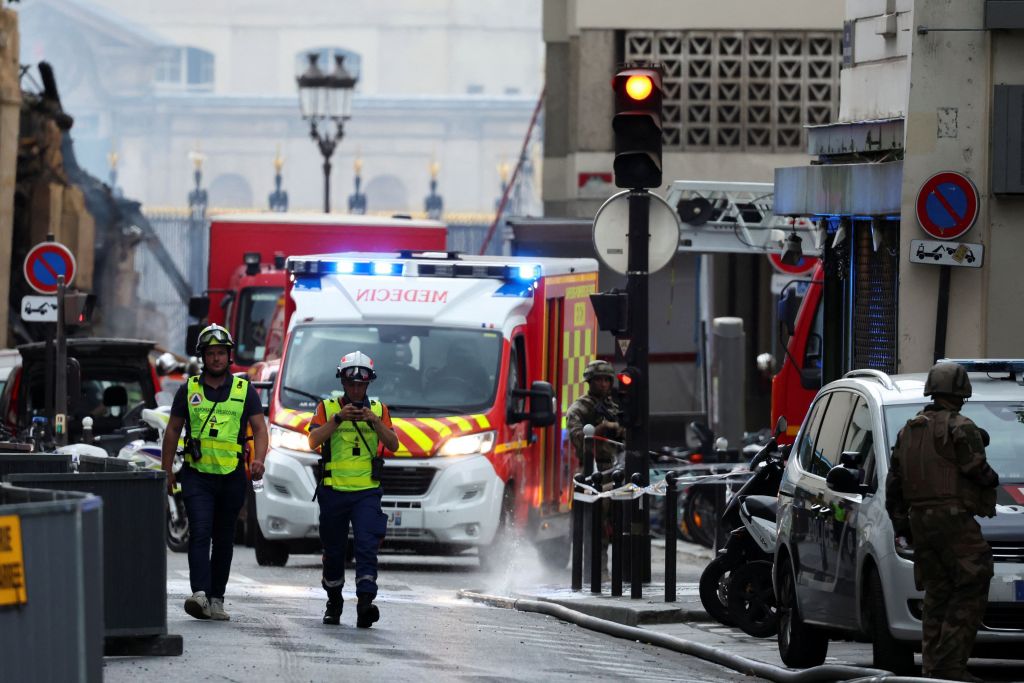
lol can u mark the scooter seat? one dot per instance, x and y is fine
(764, 507)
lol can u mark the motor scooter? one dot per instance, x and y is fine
(748, 551)
(145, 453)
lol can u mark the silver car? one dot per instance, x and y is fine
(839, 573)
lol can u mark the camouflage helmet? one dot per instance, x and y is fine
(948, 378)
(598, 368)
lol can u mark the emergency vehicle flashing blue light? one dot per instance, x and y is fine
(345, 267)
(386, 268)
(528, 272)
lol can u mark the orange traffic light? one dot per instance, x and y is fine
(639, 87)
(625, 379)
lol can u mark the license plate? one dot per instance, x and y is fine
(1018, 591)
(395, 519)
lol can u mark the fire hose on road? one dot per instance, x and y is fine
(744, 665)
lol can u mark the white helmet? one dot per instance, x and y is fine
(356, 366)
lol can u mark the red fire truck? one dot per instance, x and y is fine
(246, 276)
(471, 352)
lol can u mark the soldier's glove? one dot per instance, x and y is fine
(901, 527)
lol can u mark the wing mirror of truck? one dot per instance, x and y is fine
(789, 304)
(192, 337)
(542, 404)
(199, 307)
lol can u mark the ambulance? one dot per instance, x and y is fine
(477, 358)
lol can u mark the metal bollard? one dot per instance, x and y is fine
(618, 476)
(577, 539)
(589, 449)
(596, 529)
(636, 542)
(671, 525)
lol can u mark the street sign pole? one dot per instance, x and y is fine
(60, 432)
(637, 458)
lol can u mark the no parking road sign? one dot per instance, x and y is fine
(947, 205)
(45, 262)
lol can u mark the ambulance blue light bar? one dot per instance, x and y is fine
(526, 273)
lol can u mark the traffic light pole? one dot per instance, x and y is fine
(637, 458)
(60, 432)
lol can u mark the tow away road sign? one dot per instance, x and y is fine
(947, 205)
(45, 262)
(39, 309)
(946, 253)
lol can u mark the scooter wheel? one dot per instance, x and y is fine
(714, 582)
(751, 599)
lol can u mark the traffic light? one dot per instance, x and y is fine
(611, 310)
(629, 388)
(637, 126)
(78, 307)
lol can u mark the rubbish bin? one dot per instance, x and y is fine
(102, 463)
(56, 634)
(11, 463)
(134, 554)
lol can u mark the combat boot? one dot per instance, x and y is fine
(335, 603)
(366, 612)
(332, 615)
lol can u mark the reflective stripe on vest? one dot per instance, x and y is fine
(347, 471)
(219, 440)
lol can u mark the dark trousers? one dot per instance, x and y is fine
(212, 503)
(369, 524)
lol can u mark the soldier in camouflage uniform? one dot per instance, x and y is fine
(597, 408)
(938, 481)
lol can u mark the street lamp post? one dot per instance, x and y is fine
(325, 99)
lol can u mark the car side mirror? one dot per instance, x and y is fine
(851, 459)
(843, 480)
(542, 404)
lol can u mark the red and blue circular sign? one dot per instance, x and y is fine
(947, 205)
(802, 267)
(47, 261)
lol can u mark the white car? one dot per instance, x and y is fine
(838, 572)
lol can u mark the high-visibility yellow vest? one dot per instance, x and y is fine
(351, 462)
(219, 438)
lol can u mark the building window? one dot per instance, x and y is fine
(742, 90)
(325, 60)
(187, 68)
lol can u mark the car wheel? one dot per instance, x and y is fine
(713, 589)
(800, 646)
(752, 599)
(270, 553)
(888, 653)
(554, 553)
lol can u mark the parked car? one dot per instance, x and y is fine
(117, 380)
(839, 573)
(9, 359)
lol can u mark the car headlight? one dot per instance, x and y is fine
(469, 444)
(287, 438)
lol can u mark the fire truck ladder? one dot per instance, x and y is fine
(723, 217)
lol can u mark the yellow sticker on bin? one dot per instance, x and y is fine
(12, 562)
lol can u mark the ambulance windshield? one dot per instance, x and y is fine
(420, 369)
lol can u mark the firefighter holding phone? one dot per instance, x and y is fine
(351, 433)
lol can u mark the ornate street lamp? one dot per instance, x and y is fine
(325, 99)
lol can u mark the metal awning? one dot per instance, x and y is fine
(869, 189)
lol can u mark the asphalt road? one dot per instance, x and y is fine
(425, 631)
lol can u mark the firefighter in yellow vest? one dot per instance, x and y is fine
(351, 433)
(213, 407)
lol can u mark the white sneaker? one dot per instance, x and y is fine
(217, 612)
(198, 606)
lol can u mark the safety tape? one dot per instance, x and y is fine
(588, 494)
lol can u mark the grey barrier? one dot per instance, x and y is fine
(52, 629)
(134, 554)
